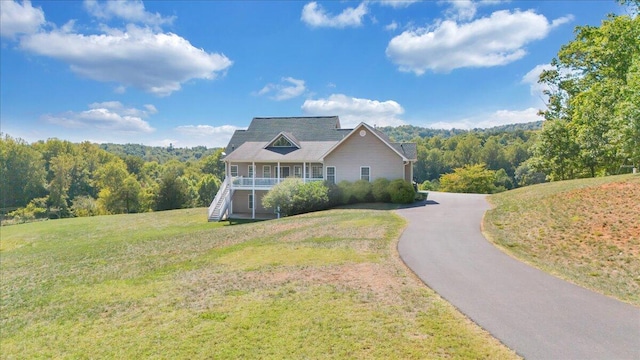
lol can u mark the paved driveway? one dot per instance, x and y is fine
(537, 315)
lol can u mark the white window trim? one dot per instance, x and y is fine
(326, 176)
(299, 174)
(365, 167)
(264, 175)
(250, 171)
(231, 170)
(250, 202)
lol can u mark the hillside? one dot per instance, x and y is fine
(405, 133)
(170, 285)
(586, 231)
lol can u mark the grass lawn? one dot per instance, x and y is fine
(171, 285)
(586, 231)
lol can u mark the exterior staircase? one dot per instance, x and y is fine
(218, 210)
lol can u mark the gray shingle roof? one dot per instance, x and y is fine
(308, 128)
(310, 151)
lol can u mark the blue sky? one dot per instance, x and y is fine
(191, 72)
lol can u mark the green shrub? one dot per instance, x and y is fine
(335, 194)
(295, 197)
(361, 190)
(401, 192)
(345, 189)
(429, 185)
(380, 190)
(35, 209)
(84, 206)
(469, 179)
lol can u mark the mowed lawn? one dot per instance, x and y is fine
(170, 285)
(586, 231)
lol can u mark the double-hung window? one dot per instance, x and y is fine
(331, 174)
(250, 201)
(266, 171)
(297, 171)
(234, 170)
(251, 171)
(365, 173)
(316, 172)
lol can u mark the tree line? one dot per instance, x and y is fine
(57, 178)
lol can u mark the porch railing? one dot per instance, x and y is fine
(240, 182)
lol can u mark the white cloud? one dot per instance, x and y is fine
(391, 27)
(210, 136)
(105, 116)
(397, 3)
(315, 15)
(131, 11)
(139, 57)
(491, 41)
(500, 117)
(287, 89)
(19, 19)
(531, 78)
(353, 111)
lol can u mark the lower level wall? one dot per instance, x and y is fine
(240, 201)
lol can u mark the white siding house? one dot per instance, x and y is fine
(309, 148)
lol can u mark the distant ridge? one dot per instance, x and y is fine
(409, 132)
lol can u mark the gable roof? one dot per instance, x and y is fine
(287, 136)
(308, 128)
(407, 151)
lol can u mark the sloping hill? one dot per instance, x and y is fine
(171, 285)
(586, 231)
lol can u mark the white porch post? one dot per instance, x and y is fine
(253, 190)
(304, 172)
(278, 176)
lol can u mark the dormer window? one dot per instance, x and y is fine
(282, 142)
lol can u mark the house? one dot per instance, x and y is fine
(309, 148)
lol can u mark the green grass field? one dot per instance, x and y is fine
(170, 285)
(586, 231)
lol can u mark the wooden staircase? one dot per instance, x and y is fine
(218, 210)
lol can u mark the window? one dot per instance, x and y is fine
(251, 171)
(250, 201)
(285, 172)
(331, 174)
(316, 172)
(282, 142)
(297, 171)
(266, 171)
(234, 170)
(365, 173)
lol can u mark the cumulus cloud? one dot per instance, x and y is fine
(315, 15)
(139, 57)
(491, 41)
(498, 118)
(130, 11)
(19, 19)
(210, 136)
(353, 111)
(106, 116)
(288, 88)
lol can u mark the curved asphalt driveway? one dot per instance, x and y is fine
(537, 315)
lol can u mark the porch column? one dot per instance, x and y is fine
(304, 172)
(253, 190)
(278, 176)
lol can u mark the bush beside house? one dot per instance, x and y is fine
(294, 197)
